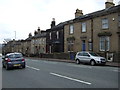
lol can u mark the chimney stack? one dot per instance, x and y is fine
(53, 23)
(109, 4)
(35, 32)
(30, 35)
(39, 32)
(78, 13)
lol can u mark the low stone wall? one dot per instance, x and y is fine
(56, 55)
(71, 55)
(115, 56)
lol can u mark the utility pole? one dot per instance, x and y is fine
(15, 35)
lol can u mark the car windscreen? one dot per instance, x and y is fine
(15, 56)
(94, 54)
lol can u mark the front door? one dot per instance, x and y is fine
(83, 45)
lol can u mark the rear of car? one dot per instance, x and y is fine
(89, 57)
(12, 60)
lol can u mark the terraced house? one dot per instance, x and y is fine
(98, 31)
(55, 38)
(38, 42)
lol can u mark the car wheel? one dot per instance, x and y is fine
(7, 68)
(23, 66)
(77, 61)
(3, 66)
(92, 62)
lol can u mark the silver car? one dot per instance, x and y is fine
(89, 57)
(12, 60)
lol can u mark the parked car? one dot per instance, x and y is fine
(0, 55)
(12, 60)
(89, 57)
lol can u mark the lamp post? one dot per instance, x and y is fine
(15, 35)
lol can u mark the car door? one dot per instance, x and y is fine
(79, 56)
(86, 57)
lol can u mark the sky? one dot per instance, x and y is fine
(25, 16)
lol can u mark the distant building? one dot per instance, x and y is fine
(55, 38)
(38, 42)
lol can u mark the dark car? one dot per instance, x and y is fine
(12, 60)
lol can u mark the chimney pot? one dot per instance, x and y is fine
(78, 13)
(53, 23)
(109, 4)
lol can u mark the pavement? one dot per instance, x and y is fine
(112, 64)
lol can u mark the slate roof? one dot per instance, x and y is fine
(42, 34)
(99, 13)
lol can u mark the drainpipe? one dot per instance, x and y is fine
(92, 33)
(105, 47)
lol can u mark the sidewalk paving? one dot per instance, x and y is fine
(112, 64)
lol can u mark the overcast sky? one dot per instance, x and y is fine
(25, 16)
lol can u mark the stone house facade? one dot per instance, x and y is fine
(98, 31)
(38, 42)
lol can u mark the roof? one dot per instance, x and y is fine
(43, 34)
(13, 53)
(57, 27)
(99, 13)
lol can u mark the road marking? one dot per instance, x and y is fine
(116, 70)
(32, 68)
(73, 79)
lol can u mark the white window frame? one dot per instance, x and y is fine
(119, 20)
(57, 33)
(71, 29)
(71, 44)
(50, 49)
(90, 46)
(84, 27)
(105, 24)
(103, 40)
(50, 35)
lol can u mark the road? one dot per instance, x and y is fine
(51, 74)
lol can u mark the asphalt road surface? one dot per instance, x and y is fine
(51, 74)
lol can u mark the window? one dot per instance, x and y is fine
(71, 29)
(85, 54)
(104, 43)
(50, 35)
(105, 23)
(90, 46)
(57, 34)
(119, 20)
(84, 27)
(70, 46)
(50, 49)
(80, 54)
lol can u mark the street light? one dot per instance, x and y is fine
(15, 35)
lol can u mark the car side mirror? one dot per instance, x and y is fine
(3, 57)
(88, 55)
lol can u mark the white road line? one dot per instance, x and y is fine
(73, 79)
(32, 68)
(116, 70)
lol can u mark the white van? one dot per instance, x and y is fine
(89, 57)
